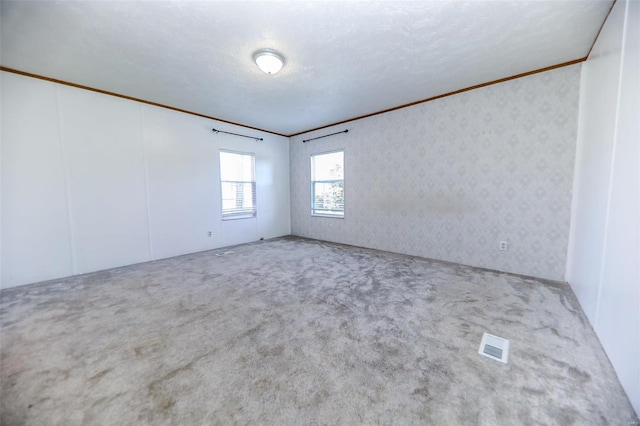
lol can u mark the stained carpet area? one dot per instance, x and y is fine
(297, 331)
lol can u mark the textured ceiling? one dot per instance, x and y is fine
(344, 59)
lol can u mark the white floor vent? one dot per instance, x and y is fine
(225, 253)
(494, 347)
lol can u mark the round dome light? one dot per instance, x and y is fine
(269, 61)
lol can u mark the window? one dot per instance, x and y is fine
(327, 184)
(238, 183)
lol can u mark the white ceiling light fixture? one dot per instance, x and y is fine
(269, 61)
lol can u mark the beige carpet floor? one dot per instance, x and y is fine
(297, 331)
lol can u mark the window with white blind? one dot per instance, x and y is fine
(238, 184)
(327, 184)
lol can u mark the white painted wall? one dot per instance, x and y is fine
(449, 179)
(183, 202)
(36, 242)
(103, 158)
(604, 250)
(91, 182)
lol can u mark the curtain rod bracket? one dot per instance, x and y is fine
(237, 134)
(320, 137)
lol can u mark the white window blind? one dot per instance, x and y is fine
(238, 185)
(327, 184)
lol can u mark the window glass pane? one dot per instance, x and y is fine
(238, 196)
(328, 166)
(328, 197)
(236, 167)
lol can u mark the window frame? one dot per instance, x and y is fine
(313, 182)
(242, 214)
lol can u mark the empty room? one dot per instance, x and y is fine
(320, 212)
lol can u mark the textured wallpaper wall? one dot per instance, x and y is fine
(451, 178)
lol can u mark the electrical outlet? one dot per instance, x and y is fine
(209, 234)
(503, 245)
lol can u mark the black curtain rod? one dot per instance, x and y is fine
(237, 134)
(320, 137)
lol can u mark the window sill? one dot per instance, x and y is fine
(239, 217)
(332, 216)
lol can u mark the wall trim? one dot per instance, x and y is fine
(131, 98)
(444, 95)
(600, 29)
(433, 98)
